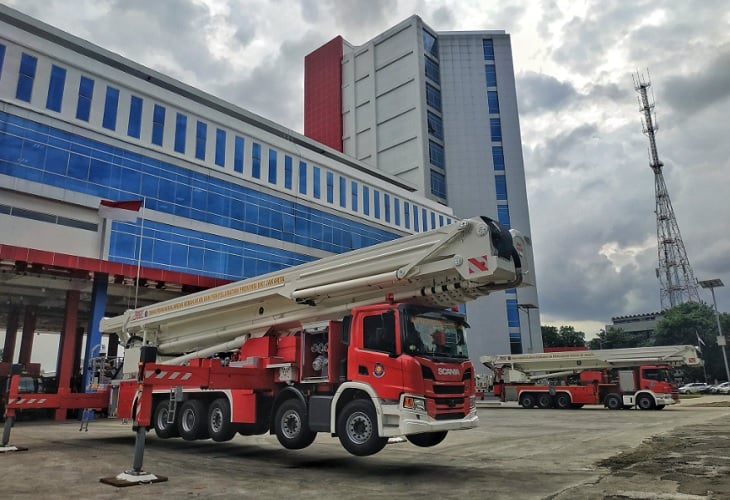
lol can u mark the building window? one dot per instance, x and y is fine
(432, 69)
(201, 136)
(353, 190)
(416, 226)
(386, 202)
(302, 177)
(134, 127)
(256, 161)
(493, 102)
(111, 104)
(441, 221)
(498, 157)
(376, 203)
(2, 57)
(396, 210)
(490, 72)
(424, 219)
(433, 97)
(86, 92)
(430, 44)
(500, 182)
(55, 88)
(220, 147)
(407, 214)
(435, 126)
(181, 126)
(436, 154)
(366, 200)
(330, 187)
(158, 125)
(488, 46)
(238, 148)
(513, 314)
(272, 166)
(495, 126)
(28, 65)
(433, 220)
(316, 182)
(438, 184)
(288, 172)
(503, 215)
(343, 192)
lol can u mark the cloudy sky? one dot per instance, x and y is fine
(590, 188)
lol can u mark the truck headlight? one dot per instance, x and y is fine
(411, 403)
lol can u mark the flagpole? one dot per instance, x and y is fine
(699, 341)
(139, 254)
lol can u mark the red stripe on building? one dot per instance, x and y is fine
(323, 94)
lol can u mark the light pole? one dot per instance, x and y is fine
(528, 307)
(712, 284)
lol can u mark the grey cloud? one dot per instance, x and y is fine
(692, 93)
(443, 18)
(540, 92)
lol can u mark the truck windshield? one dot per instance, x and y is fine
(435, 334)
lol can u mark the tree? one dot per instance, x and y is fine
(550, 336)
(565, 336)
(615, 338)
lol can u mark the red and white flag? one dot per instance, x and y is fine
(120, 210)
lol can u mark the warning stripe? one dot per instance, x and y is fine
(478, 264)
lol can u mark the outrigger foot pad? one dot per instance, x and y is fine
(9, 448)
(132, 478)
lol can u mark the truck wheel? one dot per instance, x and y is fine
(163, 429)
(427, 439)
(291, 425)
(545, 401)
(357, 428)
(562, 401)
(645, 402)
(220, 426)
(192, 424)
(527, 400)
(613, 402)
(659, 407)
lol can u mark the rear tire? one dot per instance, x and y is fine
(192, 422)
(527, 400)
(291, 425)
(163, 429)
(427, 439)
(220, 427)
(613, 402)
(562, 401)
(357, 428)
(545, 401)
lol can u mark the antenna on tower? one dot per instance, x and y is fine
(678, 284)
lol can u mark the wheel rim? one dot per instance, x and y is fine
(644, 403)
(162, 418)
(291, 424)
(216, 420)
(359, 427)
(188, 420)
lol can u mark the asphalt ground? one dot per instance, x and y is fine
(681, 452)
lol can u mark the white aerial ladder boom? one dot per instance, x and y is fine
(526, 367)
(443, 267)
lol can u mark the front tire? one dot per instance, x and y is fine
(427, 439)
(645, 402)
(220, 426)
(291, 425)
(163, 429)
(357, 429)
(192, 423)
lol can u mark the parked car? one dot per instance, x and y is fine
(694, 388)
(721, 388)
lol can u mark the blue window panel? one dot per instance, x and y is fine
(513, 313)
(438, 184)
(435, 126)
(386, 202)
(430, 44)
(498, 157)
(181, 127)
(134, 126)
(111, 104)
(343, 192)
(415, 219)
(495, 126)
(158, 124)
(432, 69)
(441, 221)
(302, 178)
(220, 147)
(407, 214)
(2, 57)
(55, 88)
(488, 46)
(201, 137)
(493, 102)
(433, 220)
(366, 200)
(86, 92)
(330, 187)
(424, 219)
(433, 97)
(354, 191)
(503, 215)
(288, 172)
(238, 149)
(78, 166)
(26, 77)
(272, 166)
(316, 182)
(256, 160)
(500, 183)
(376, 203)
(436, 154)
(396, 211)
(490, 72)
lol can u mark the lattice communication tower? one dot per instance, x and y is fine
(678, 284)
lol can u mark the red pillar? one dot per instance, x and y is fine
(66, 354)
(11, 332)
(26, 342)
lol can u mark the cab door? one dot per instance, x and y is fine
(374, 357)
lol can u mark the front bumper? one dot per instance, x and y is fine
(397, 421)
